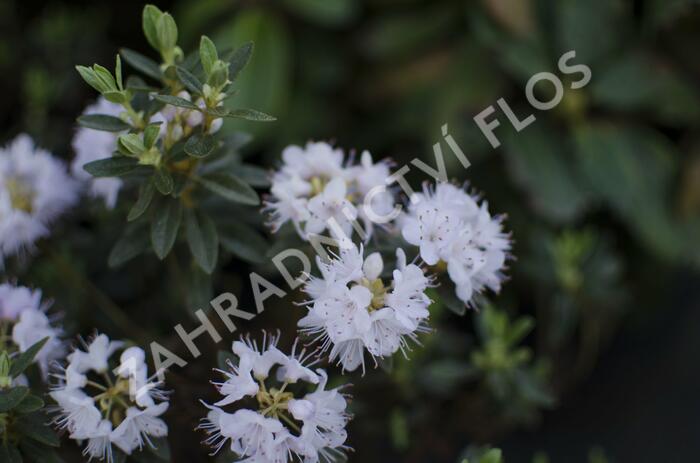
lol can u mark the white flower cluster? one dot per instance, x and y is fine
(23, 314)
(288, 422)
(122, 408)
(450, 227)
(35, 189)
(316, 189)
(352, 309)
(91, 145)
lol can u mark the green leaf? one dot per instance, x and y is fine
(10, 454)
(91, 78)
(207, 54)
(189, 80)
(250, 115)
(163, 181)
(199, 288)
(161, 448)
(115, 96)
(118, 73)
(103, 122)
(203, 240)
(166, 30)
(39, 453)
(150, 135)
(324, 12)
(239, 60)
(10, 398)
(231, 188)
(131, 143)
(267, 81)
(111, 167)
(446, 291)
(146, 191)
(243, 241)
(141, 63)
(176, 101)
(560, 195)
(105, 77)
(35, 427)
(165, 224)
(149, 21)
(200, 146)
(133, 242)
(23, 360)
(253, 175)
(29, 404)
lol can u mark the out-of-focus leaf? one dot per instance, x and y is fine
(243, 241)
(23, 360)
(540, 162)
(38, 452)
(133, 242)
(231, 188)
(202, 239)
(103, 122)
(146, 191)
(200, 290)
(141, 63)
(264, 84)
(10, 454)
(10, 398)
(632, 170)
(253, 175)
(593, 28)
(35, 426)
(327, 13)
(165, 224)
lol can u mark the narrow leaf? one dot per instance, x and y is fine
(35, 427)
(243, 241)
(239, 60)
(23, 360)
(165, 224)
(176, 101)
(29, 404)
(103, 122)
(141, 205)
(207, 54)
(111, 167)
(251, 115)
(141, 63)
(203, 240)
(133, 242)
(149, 21)
(231, 188)
(189, 80)
(10, 398)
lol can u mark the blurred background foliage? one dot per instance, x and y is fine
(592, 341)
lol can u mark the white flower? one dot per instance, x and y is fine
(449, 226)
(284, 426)
(352, 309)
(23, 310)
(91, 145)
(34, 190)
(123, 410)
(314, 190)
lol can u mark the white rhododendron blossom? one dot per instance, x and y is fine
(274, 418)
(23, 315)
(451, 227)
(352, 309)
(91, 145)
(35, 189)
(317, 189)
(106, 405)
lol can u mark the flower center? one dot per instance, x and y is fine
(318, 183)
(275, 403)
(378, 290)
(114, 401)
(21, 196)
